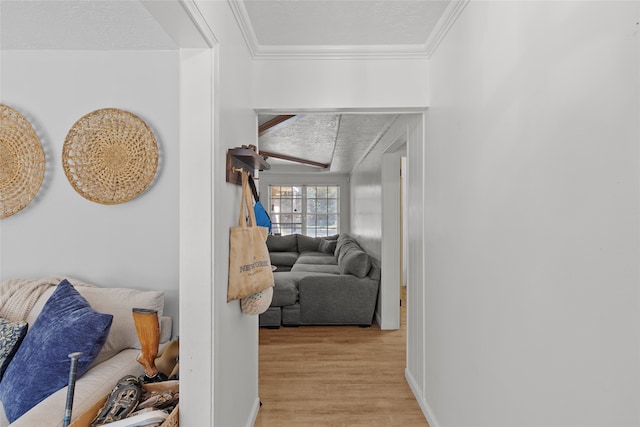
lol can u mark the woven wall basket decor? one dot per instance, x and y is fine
(110, 156)
(22, 162)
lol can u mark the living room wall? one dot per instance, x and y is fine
(366, 187)
(133, 244)
(532, 236)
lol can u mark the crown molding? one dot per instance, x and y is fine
(243, 21)
(183, 21)
(446, 21)
(413, 51)
(341, 52)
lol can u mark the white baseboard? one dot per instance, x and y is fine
(254, 413)
(424, 406)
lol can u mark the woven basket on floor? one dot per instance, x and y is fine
(22, 162)
(110, 156)
(173, 420)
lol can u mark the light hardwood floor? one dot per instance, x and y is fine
(335, 376)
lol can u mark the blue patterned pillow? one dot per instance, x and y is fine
(11, 335)
(66, 324)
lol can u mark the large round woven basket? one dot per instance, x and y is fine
(22, 162)
(110, 156)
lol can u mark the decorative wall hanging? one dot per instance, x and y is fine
(110, 156)
(22, 162)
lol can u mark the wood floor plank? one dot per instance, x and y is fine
(335, 376)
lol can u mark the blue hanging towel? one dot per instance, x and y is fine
(262, 217)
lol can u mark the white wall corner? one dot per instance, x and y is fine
(254, 413)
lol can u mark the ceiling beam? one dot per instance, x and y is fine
(294, 159)
(270, 124)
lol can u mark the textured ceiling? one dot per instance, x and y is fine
(339, 140)
(80, 25)
(344, 22)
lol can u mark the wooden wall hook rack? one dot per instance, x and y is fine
(244, 158)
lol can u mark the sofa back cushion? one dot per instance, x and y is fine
(352, 259)
(307, 244)
(342, 240)
(118, 302)
(355, 261)
(287, 243)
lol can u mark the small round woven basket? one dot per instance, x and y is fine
(110, 156)
(22, 162)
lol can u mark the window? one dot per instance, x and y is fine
(312, 210)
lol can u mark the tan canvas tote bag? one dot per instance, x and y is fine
(249, 263)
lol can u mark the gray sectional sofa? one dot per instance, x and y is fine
(321, 281)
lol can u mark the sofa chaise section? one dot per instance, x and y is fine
(336, 287)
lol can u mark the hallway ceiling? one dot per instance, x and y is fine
(272, 29)
(340, 28)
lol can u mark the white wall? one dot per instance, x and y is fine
(235, 335)
(375, 205)
(133, 244)
(531, 217)
(295, 85)
(366, 187)
(268, 178)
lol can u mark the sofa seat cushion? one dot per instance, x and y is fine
(96, 383)
(316, 268)
(283, 258)
(316, 258)
(285, 289)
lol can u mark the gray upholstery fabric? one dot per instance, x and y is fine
(346, 247)
(282, 243)
(271, 318)
(307, 244)
(342, 240)
(327, 246)
(315, 292)
(283, 258)
(354, 260)
(291, 315)
(285, 290)
(319, 268)
(337, 300)
(316, 258)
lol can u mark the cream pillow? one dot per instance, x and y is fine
(119, 302)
